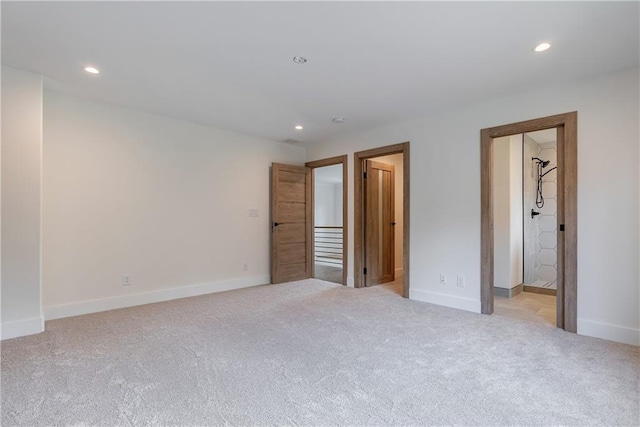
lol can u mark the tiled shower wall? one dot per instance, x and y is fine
(540, 232)
(530, 229)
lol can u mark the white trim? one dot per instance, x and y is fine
(446, 300)
(350, 281)
(94, 306)
(609, 332)
(20, 328)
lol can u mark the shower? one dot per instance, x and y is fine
(525, 225)
(539, 206)
(539, 197)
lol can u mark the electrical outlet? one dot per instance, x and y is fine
(443, 279)
(461, 281)
(126, 280)
(245, 267)
(253, 213)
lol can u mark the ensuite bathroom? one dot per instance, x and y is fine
(525, 214)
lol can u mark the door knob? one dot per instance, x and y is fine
(393, 223)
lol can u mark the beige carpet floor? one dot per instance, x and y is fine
(313, 353)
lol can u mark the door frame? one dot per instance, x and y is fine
(337, 160)
(359, 210)
(567, 211)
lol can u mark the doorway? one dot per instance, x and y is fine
(559, 227)
(525, 225)
(381, 246)
(328, 216)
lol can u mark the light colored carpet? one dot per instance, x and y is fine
(313, 353)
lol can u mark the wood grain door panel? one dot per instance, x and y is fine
(379, 221)
(291, 223)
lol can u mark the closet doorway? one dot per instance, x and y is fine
(381, 217)
(329, 219)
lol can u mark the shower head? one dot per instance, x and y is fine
(544, 163)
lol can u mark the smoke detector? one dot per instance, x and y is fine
(291, 141)
(338, 120)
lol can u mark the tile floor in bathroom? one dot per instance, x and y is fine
(528, 306)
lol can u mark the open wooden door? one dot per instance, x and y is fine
(291, 228)
(379, 223)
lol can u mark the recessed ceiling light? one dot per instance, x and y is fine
(542, 47)
(298, 127)
(92, 70)
(299, 59)
(338, 120)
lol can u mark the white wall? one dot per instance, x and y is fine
(338, 211)
(507, 211)
(397, 161)
(445, 195)
(161, 200)
(21, 196)
(328, 204)
(516, 210)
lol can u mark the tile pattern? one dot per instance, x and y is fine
(540, 233)
(546, 257)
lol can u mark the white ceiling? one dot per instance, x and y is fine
(544, 136)
(229, 64)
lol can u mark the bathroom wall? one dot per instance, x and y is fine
(546, 258)
(530, 234)
(507, 211)
(540, 232)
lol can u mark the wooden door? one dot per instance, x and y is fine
(291, 226)
(379, 223)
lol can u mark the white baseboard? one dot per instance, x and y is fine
(20, 328)
(94, 306)
(350, 281)
(446, 300)
(609, 332)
